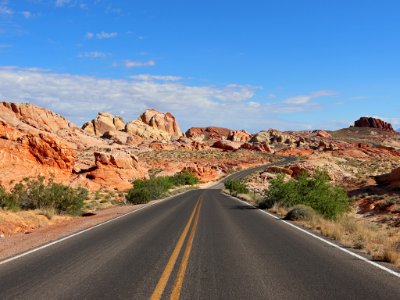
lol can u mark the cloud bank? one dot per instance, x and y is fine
(79, 98)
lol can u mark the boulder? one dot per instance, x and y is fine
(262, 147)
(104, 122)
(165, 122)
(239, 136)
(208, 133)
(322, 133)
(227, 145)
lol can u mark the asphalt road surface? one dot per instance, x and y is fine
(198, 245)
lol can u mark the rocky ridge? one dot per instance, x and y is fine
(373, 123)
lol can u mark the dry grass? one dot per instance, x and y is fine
(25, 221)
(381, 242)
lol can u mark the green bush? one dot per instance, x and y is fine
(300, 212)
(236, 186)
(315, 191)
(145, 190)
(34, 193)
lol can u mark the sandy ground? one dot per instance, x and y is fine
(21, 242)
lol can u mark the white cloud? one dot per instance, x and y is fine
(134, 63)
(89, 35)
(148, 77)
(79, 98)
(101, 35)
(61, 3)
(299, 100)
(26, 14)
(92, 54)
(5, 9)
(106, 35)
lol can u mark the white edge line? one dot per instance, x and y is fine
(324, 240)
(85, 230)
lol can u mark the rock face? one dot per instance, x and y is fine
(322, 133)
(272, 136)
(227, 145)
(207, 133)
(165, 122)
(145, 131)
(391, 180)
(373, 123)
(116, 169)
(104, 122)
(28, 147)
(34, 116)
(239, 136)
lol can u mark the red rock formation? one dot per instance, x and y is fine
(104, 122)
(213, 133)
(165, 122)
(116, 170)
(227, 145)
(35, 116)
(391, 180)
(322, 133)
(373, 123)
(239, 136)
(205, 173)
(257, 147)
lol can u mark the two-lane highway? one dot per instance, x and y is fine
(198, 245)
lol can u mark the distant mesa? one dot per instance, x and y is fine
(373, 123)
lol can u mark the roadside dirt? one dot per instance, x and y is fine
(22, 242)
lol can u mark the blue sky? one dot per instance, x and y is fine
(287, 64)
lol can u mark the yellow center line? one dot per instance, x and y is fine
(158, 291)
(176, 292)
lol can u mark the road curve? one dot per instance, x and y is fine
(198, 245)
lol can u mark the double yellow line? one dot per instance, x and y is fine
(177, 287)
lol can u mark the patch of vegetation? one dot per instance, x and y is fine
(300, 212)
(235, 187)
(145, 190)
(34, 193)
(315, 191)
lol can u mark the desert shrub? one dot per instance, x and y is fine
(150, 189)
(184, 178)
(315, 191)
(300, 212)
(236, 186)
(34, 193)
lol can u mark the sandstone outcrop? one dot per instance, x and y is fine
(145, 131)
(103, 123)
(34, 116)
(227, 145)
(164, 122)
(272, 136)
(239, 136)
(208, 133)
(322, 133)
(373, 123)
(116, 169)
(262, 147)
(391, 180)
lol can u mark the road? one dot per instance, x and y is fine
(198, 245)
